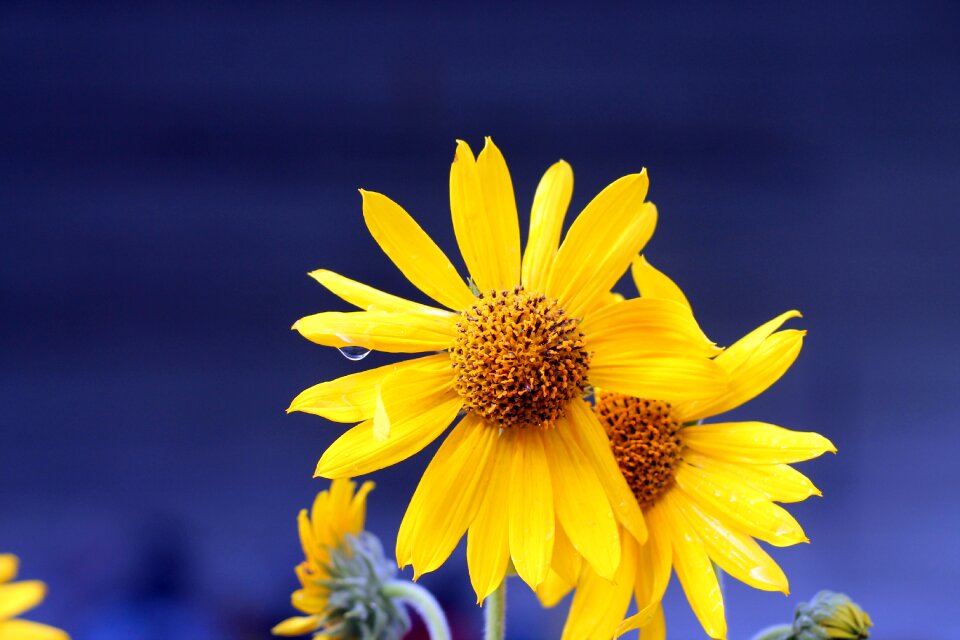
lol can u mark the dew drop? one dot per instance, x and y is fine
(353, 353)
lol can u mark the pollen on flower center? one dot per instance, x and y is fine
(644, 437)
(519, 359)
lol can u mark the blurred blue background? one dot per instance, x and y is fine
(169, 174)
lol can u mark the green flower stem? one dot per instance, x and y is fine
(423, 602)
(776, 632)
(495, 613)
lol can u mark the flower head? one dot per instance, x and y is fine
(829, 616)
(344, 574)
(527, 468)
(706, 490)
(17, 597)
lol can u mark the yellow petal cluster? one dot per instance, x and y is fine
(727, 480)
(17, 598)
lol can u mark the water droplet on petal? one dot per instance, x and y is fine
(354, 353)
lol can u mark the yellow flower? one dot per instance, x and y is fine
(344, 574)
(17, 597)
(706, 490)
(516, 360)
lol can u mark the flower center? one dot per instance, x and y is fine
(643, 436)
(519, 359)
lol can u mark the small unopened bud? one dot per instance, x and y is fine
(829, 616)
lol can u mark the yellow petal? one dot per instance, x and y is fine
(380, 330)
(742, 350)
(581, 503)
(656, 629)
(17, 597)
(599, 605)
(566, 561)
(353, 398)
(696, 574)
(485, 217)
(488, 545)
(26, 630)
(358, 507)
(414, 253)
(654, 560)
(646, 325)
(9, 564)
(737, 554)
(357, 452)
(644, 619)
(550, 204)
(765, 366)
(402, 394)
(530, 509)
(755, 442)
(297, 626)
(600, 244)
(674, 379)
(652, 283)
(779, 482)
(592, 440)
(448, 496)
(368, 298)
(553, 589)
(739, 506)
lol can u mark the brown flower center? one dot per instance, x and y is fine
(519, 359)
(644, 437)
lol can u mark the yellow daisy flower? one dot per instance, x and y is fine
(706, 490)
(516, 359)
(17, 597)
(344, 572)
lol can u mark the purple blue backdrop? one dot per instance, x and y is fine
(169, 174)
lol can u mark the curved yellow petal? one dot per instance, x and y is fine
(644, 619)
(735, 553)
(414, 253)
(550, 204)
(599, 605)
(405, 393)
(581, 503)
(358, 507)
(358, 452)
(600, 244)
(488, 544)
(353, 398)
(739, 506)
(583, 427)
(779, 482)
(755, 442)
(566, 561)
(654, 284)
(656, 629)
(530, 509)
(696, 574)
(654, 560)
(26, 630)
(9, 564)
(553, 589)
(17, 597)
(380, 330)
(485, 217)
(297, 626)
(765, 366)
(315, 553)
(674, 379)
(448, 496)
(368, 298)
(646, 325)
(743, 349)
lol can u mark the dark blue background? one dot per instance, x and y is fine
(169, 174)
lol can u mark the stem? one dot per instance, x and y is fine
(776, 632)
(423, 602)
(495, 613)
